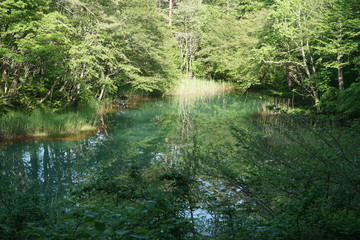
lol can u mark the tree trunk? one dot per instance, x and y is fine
(170, 11)
(47, 94)
(288, 77)
(186, 59)
(311, 58)
(302, 50)
(3, 76)
(305, 65)
(102, 93)
(316, 99)
(341, 78)
(339, 56)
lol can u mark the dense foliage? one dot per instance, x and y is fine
(306, 47)
(57, 52)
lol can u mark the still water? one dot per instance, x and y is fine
(157, 130)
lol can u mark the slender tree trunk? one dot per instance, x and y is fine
(103, 124)
(339, 57)
(102, 92)
(187, 55)
(288, 77)
(170, 11)
(305, 65)
(311, 58)
(340, 78)
(340, 69)
(47, 94)
(3, 76)
(316, 98)
(192, 217)
(302, 50)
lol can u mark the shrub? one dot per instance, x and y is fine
(348, 101)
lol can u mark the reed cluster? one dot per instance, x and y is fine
(196, 86)
(46, 123)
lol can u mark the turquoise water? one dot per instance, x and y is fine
(156, 131)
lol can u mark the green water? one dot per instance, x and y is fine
(157, 131)
(204, 167)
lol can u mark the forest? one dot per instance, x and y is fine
(274, 156)
(55, 54)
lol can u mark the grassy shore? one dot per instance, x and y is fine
(195, 86)
(46, 123)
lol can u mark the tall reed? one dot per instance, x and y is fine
(195, 86)
(48, 123)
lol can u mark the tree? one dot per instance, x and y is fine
(56, 53)
(340, 42)
(20, 21)
(189, 19)
(226, 51)
(294, 26)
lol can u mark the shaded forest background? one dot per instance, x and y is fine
(56, 53)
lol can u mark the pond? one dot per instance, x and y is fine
(194, 167)
(154, 131)
(162, 131)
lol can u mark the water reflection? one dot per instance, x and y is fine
(50, 166)
(157, 130)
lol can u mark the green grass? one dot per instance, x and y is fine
(195, 86)
(44, 123)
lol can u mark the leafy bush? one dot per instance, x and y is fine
(348, 101)
(302, 182)
(328, 101)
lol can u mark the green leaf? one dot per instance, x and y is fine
(91, 214)
(140, 236)
(122, 232)
(100, 226)
(141, 233)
